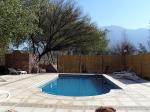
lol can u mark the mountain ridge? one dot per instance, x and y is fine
(117, 34)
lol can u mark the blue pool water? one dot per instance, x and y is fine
(79, 85)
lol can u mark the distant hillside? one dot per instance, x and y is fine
(135, 36)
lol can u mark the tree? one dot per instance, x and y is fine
(99, 47)
(16, 22)
(2, 51)
(148, 42)
(63, 27)
(142, 48)
(125, 47)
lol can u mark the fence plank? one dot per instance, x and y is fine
(115, 63)
(93, 64)
(69, 64)
(2, 59)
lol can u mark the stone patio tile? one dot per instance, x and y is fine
(82, 103)
(89, 111)
(21, 97)
(130, 103)
(144, 103)
(44, 110)
(124, 99)
(109, 99)
(95, 103)
(62, 110)
(136, 96)
(123, 96)
(50, 101)
(148, 96)
(32, 101)
(111, 103)
(137, 111)
(66, 102)
(24, 109)
(77, 111)
(141, 99)
(121, 111)
(15, 100)
(4, 108)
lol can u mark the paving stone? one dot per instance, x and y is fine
(62, 110)
(77, 111)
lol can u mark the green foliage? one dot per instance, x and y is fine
(64, 27)
(2, 51)
(16, 22)
(48, 26)
(98, 47)
(101, 45)
(148, 43)
(142, 48)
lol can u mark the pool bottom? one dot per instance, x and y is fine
(79, 85)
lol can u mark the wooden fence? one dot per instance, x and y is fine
(89, 64)
(98, 64)
(94, 64)
(140, 64)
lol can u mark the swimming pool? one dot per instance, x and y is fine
(79, 85)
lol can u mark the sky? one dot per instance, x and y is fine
(131, 14)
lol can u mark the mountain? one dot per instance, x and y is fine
(117, 34)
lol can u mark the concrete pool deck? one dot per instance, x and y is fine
(26, 97)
